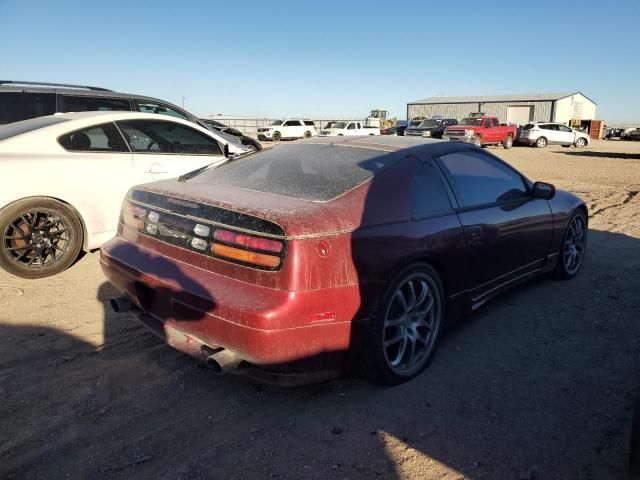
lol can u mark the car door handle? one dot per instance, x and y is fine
(157, 168)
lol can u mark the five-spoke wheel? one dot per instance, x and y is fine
(574, 247)
(405, 328)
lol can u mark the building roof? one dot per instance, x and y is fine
(522, 97)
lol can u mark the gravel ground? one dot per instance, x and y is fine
(539, 383)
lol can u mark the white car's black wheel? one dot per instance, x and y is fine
(307, 134)
(276, 136)
(40, 237)
(541, 142)
(580, 143)
(404, 330)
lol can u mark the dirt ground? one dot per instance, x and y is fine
(539, 383)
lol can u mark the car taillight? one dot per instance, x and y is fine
(249, 241)
(133, 216)
(246, 248)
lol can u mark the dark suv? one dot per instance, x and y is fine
(434, 127)
(24, 100)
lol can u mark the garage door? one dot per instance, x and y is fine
(520, 114)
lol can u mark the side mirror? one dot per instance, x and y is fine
(543, 190)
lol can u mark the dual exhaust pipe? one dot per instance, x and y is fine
(219, 360)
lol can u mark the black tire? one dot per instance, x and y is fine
(566, 270)
(541, 142)
(34, 247)
(250, 142)
(376, 359)
(276, 136)
(508, 142)
(580, 143)
(477, 141)
(307, 134)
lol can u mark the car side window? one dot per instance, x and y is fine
(429, 196)
(292, 123)
(351, 126)
(16, 106)
(85, 103)
(563, 128)
(98, 138)
(309, 123)
(487, 123)
(157, 136)
(160, 108)
(479, 179)
(495, 121)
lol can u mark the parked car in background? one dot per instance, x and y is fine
(348, 129)
(289, 129)
(24, 100)
(542, 134)
(398, 129)
(79, 167)
(242, 138)
(632, 134)
(612, 133)
(431, 128)
(482, 131)
(234, 267)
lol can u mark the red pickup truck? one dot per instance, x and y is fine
(482, 131)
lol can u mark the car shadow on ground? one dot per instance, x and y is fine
(614, 155)
(539, 383)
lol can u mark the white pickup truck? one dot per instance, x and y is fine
(339, 129)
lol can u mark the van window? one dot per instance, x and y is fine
(309, 123)
(156, 107)
(82, 103)
(16, 106)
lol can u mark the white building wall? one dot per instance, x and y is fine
(576, 106)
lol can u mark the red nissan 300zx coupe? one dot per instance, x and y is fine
(325, 254)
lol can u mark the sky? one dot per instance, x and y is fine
(328, 58)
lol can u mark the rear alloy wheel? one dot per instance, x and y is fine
(40, 237)
(541, 142)
(276, 136)
(508, 142)
(404, 331)
(581, 142)
(574, 247)
(307, 134)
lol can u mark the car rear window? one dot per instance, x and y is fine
(25, 126)
(309, 172)
(310, 123)
(528, 126)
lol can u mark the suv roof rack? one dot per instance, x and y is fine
(48, 84)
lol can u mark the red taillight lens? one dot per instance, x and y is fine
(254, 243)
(134, 216)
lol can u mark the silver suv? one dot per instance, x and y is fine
(543, 134)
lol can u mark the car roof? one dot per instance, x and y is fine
(79, 91)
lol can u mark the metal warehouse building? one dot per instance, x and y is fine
(520, 109)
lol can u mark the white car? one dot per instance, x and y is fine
(346, 129)
(543, 134)
(289, 129)
(63, 179)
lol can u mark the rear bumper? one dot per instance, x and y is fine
(526, 141)
(190, 308)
